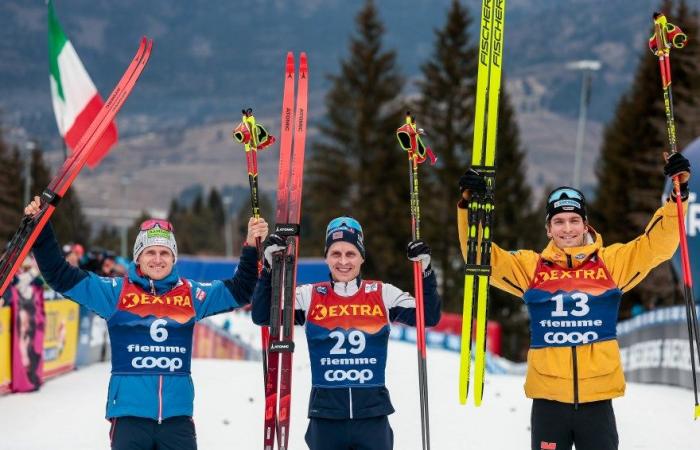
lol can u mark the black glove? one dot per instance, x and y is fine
(472, 181)
(419, 251)
(676, 164)
(273, 244)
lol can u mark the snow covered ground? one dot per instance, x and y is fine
(68, 412)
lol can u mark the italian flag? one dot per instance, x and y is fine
(76, 101)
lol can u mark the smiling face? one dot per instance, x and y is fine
(156, 262)
(567, 230)
(344, 261)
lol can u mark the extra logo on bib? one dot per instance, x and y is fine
(347, 337)
(570, 307)
(152, 334)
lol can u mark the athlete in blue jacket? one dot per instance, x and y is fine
(347, 321)
(150, 315)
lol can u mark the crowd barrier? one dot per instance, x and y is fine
(654, 347)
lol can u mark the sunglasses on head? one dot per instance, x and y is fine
(565, 192)
(343, 223)
(160, 223)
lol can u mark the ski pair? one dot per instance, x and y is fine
(409, 136)
(278, 381)
(480, 207)
(666, 35)
(30, 227)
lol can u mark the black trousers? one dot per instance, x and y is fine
(558, 426)
(138, 433)
(373, 433)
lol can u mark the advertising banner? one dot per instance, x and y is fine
(655, 349)
(5, 346)
(61, 337)
(27, 301)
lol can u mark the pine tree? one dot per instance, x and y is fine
(357, 168)
(630, 179)
(10, 192)
(446, 110)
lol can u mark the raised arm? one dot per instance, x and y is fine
(629, 263)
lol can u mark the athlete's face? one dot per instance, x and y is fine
(567, 230)
(344, 261)
(156, 262)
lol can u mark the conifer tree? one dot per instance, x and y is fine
(10, 192)
(356, 168)
(446, 111)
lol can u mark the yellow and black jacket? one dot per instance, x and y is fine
(589, 372)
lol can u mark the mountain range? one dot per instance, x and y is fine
(213, 57)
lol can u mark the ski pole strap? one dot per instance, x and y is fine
(287, 229)
(666, 35)
(410, 139)
(50, 197)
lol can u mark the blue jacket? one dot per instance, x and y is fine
(350, 403)
(150, 396)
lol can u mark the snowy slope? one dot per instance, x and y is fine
(68, 412)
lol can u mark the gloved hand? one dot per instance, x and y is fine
(472, 182)
(419, 251)
(677, 164)
(273, 244)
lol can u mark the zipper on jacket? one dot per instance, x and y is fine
(153, 287)
(569, 264)
(350, 394)
(160, 399)
(575, 361)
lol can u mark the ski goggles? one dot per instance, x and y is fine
(160, 223)
(343, 223)
(569, 193)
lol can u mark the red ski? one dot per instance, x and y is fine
(30, 227)
(284, 265)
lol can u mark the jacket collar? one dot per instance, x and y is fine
(153, 286)
(573, 257)
(346, 288)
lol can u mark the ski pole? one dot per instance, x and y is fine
(409, 137)
(666, 35)
(254, 137)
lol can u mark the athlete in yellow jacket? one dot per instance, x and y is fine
(572, 290)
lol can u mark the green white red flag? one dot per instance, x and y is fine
(76, 101)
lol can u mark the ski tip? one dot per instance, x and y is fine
(303, 64)
(290, 64)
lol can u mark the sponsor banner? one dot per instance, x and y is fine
(211, 341)
(28, 323)
(5, 345)
(654, 348)
(60, 337)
